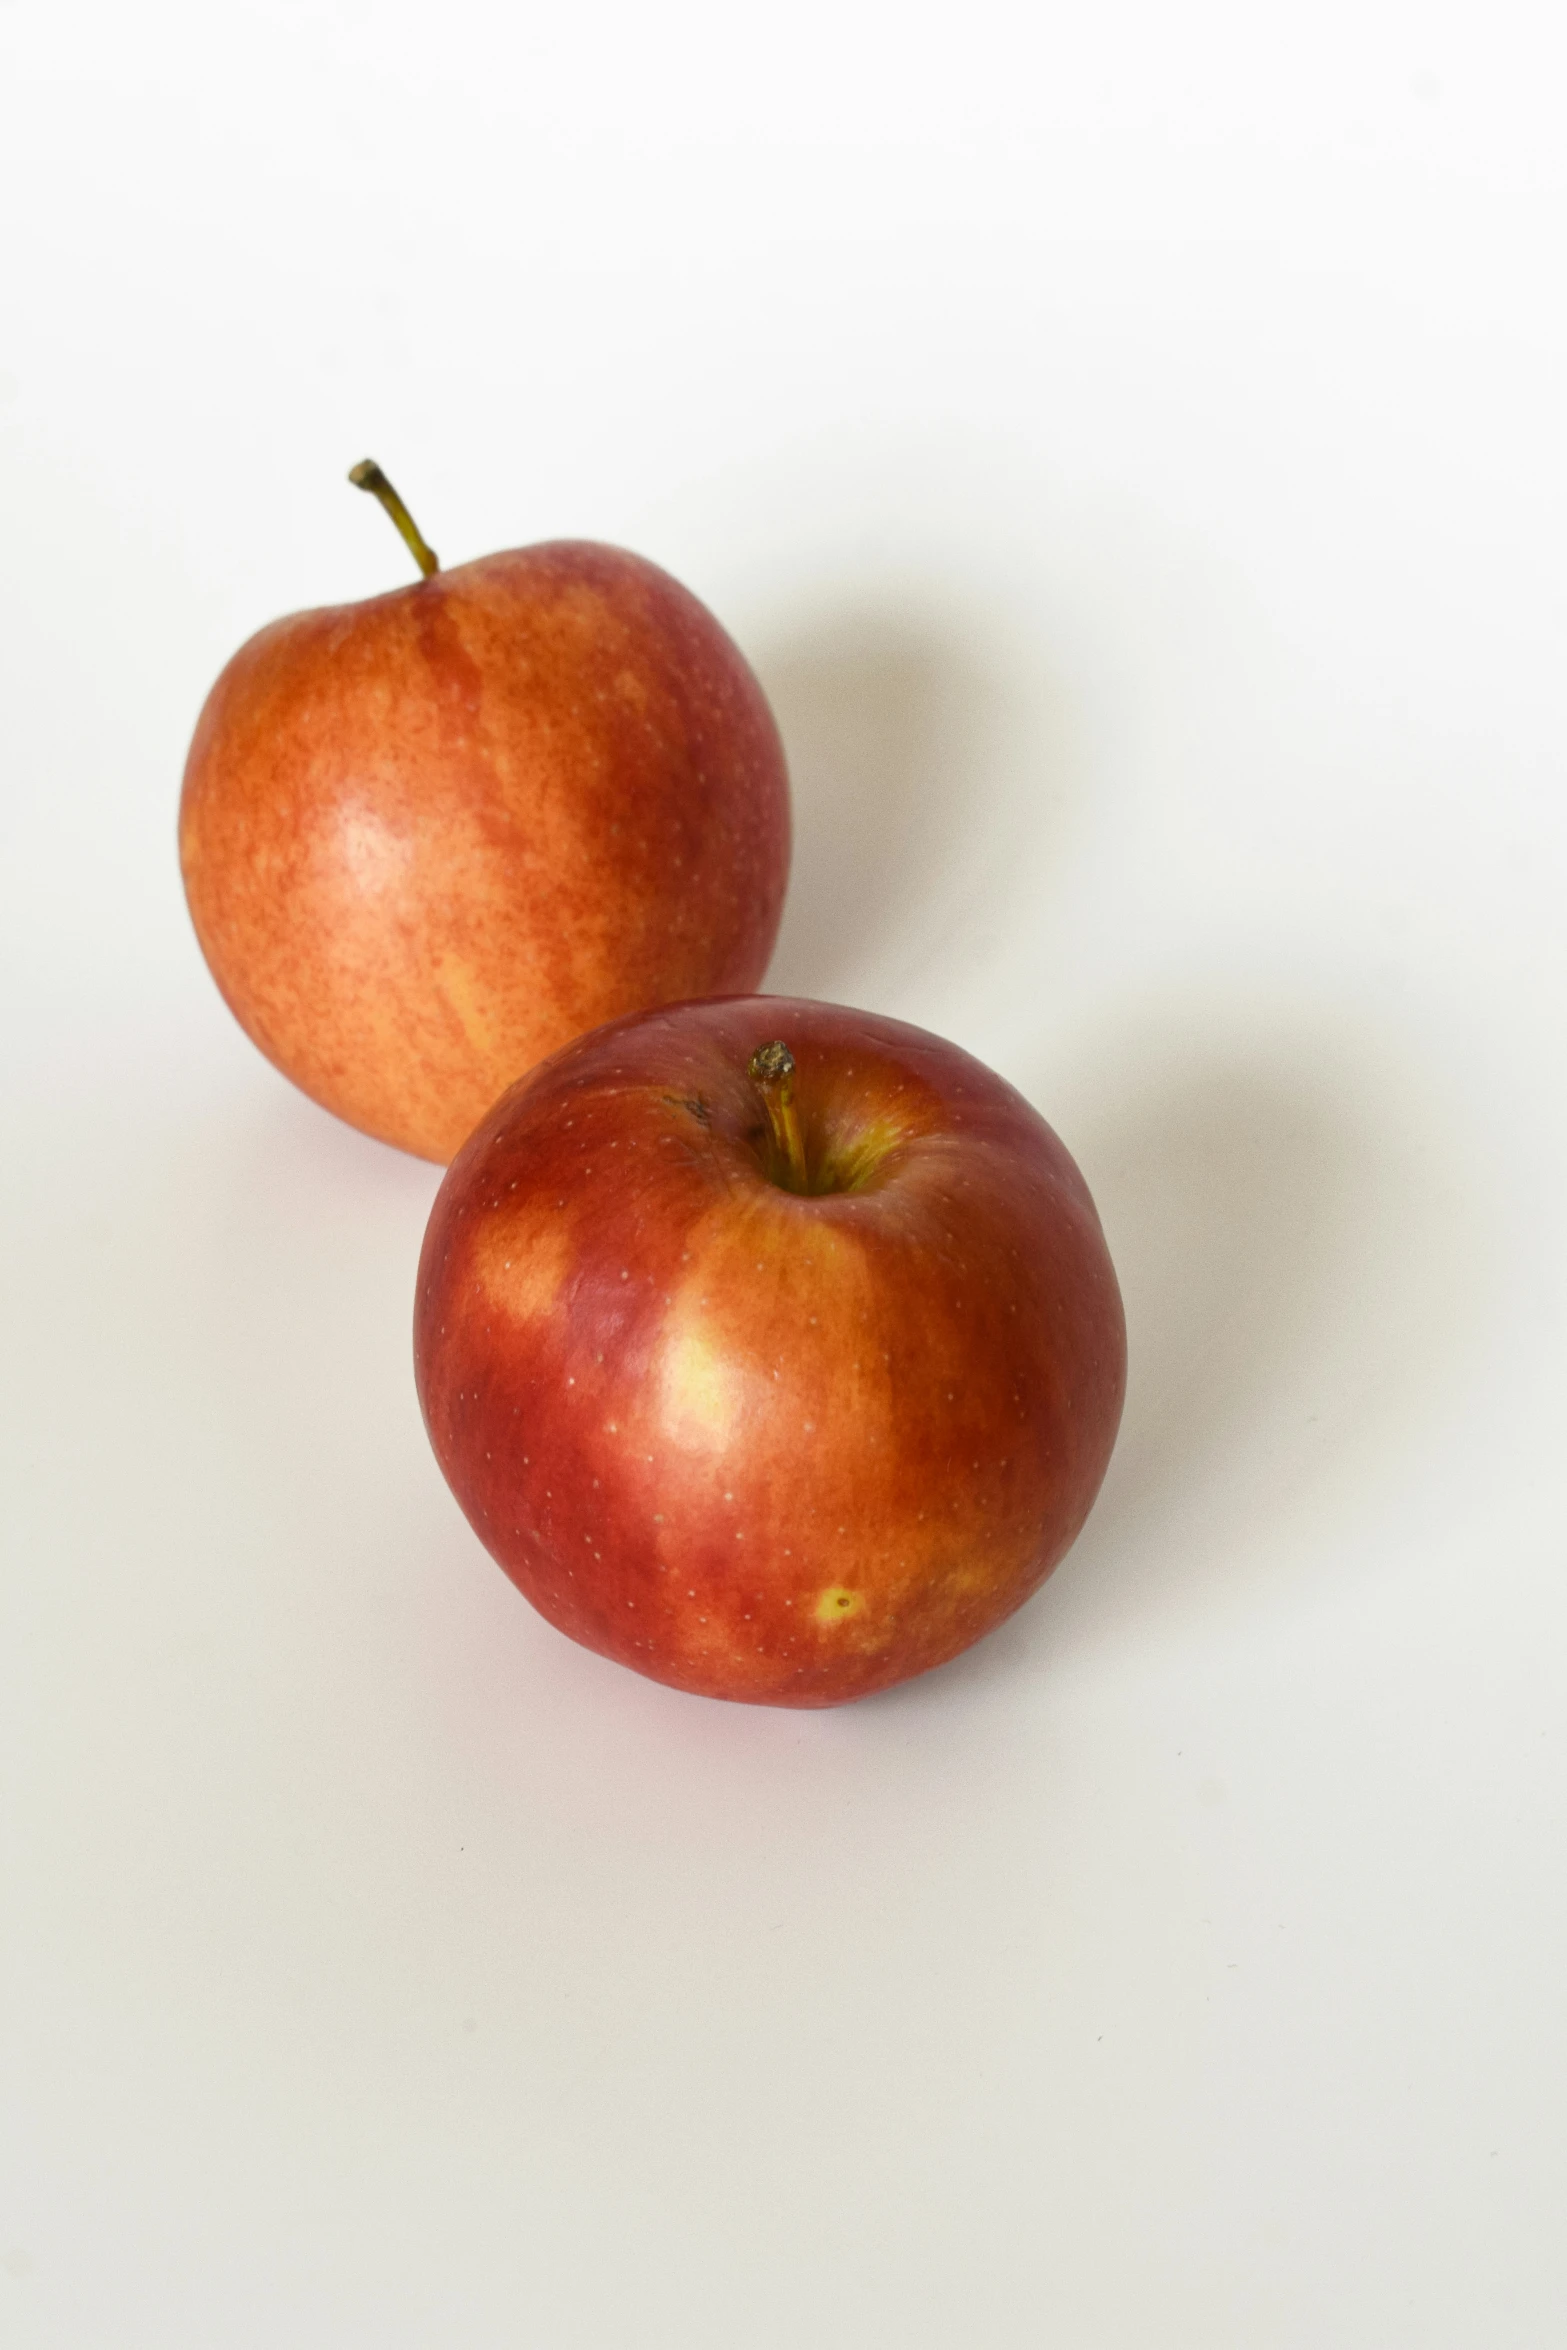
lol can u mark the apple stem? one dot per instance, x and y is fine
(367, 475)
(771, 1071)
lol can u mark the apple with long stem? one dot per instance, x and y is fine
(773, 1349)
(428, 838)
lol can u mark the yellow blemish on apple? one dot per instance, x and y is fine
(837, 1603)
(459, 986)
(522, 1265)
(700, 1393)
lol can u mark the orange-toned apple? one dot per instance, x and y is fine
(773, 1349)
(429, 838)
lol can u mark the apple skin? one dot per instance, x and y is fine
(765, 1445)
(428, 838)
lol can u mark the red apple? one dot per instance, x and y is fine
(428, 838)
(773, 1349)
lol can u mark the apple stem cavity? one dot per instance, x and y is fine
(367, 475)
(771, 1071)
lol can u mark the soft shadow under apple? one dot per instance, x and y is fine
(917, 772)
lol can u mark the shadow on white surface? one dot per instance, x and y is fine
(1237, 1203)
(916, 774)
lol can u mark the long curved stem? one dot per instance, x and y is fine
(367, 475)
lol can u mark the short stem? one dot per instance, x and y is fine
(367, 475)
(771, 1071)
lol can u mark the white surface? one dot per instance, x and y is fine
(1130, 442)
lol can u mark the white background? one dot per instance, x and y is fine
(1131, 441)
